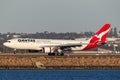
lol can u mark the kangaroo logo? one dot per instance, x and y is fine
(99, 36)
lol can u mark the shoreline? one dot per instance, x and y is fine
(61, 68)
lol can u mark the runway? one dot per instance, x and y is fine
(71, 55)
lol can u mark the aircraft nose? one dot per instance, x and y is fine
(5, 43)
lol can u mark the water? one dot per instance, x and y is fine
(59, 74)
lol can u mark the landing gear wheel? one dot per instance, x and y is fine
(62, 54)
(51, 54)
(56, 52)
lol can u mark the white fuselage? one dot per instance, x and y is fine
(38, 44)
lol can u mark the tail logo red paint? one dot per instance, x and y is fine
(99, 37)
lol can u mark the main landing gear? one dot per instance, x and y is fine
(14, 51)
(56, 52)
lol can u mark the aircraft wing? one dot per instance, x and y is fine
(64, 45)
(69, 45)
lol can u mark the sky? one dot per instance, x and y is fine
(30, 16)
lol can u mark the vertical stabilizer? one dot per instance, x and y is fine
(99, 38)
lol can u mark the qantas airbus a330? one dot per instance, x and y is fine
(58, 47)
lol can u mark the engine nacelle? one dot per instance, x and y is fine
(46, 49)
(35, 51)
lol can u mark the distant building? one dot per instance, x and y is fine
(119, 34)
(16, 36)
(113, 33)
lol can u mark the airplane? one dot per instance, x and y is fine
(58, 47)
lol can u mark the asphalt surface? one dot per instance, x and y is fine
(71, 55)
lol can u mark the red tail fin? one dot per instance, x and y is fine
(100, 36)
